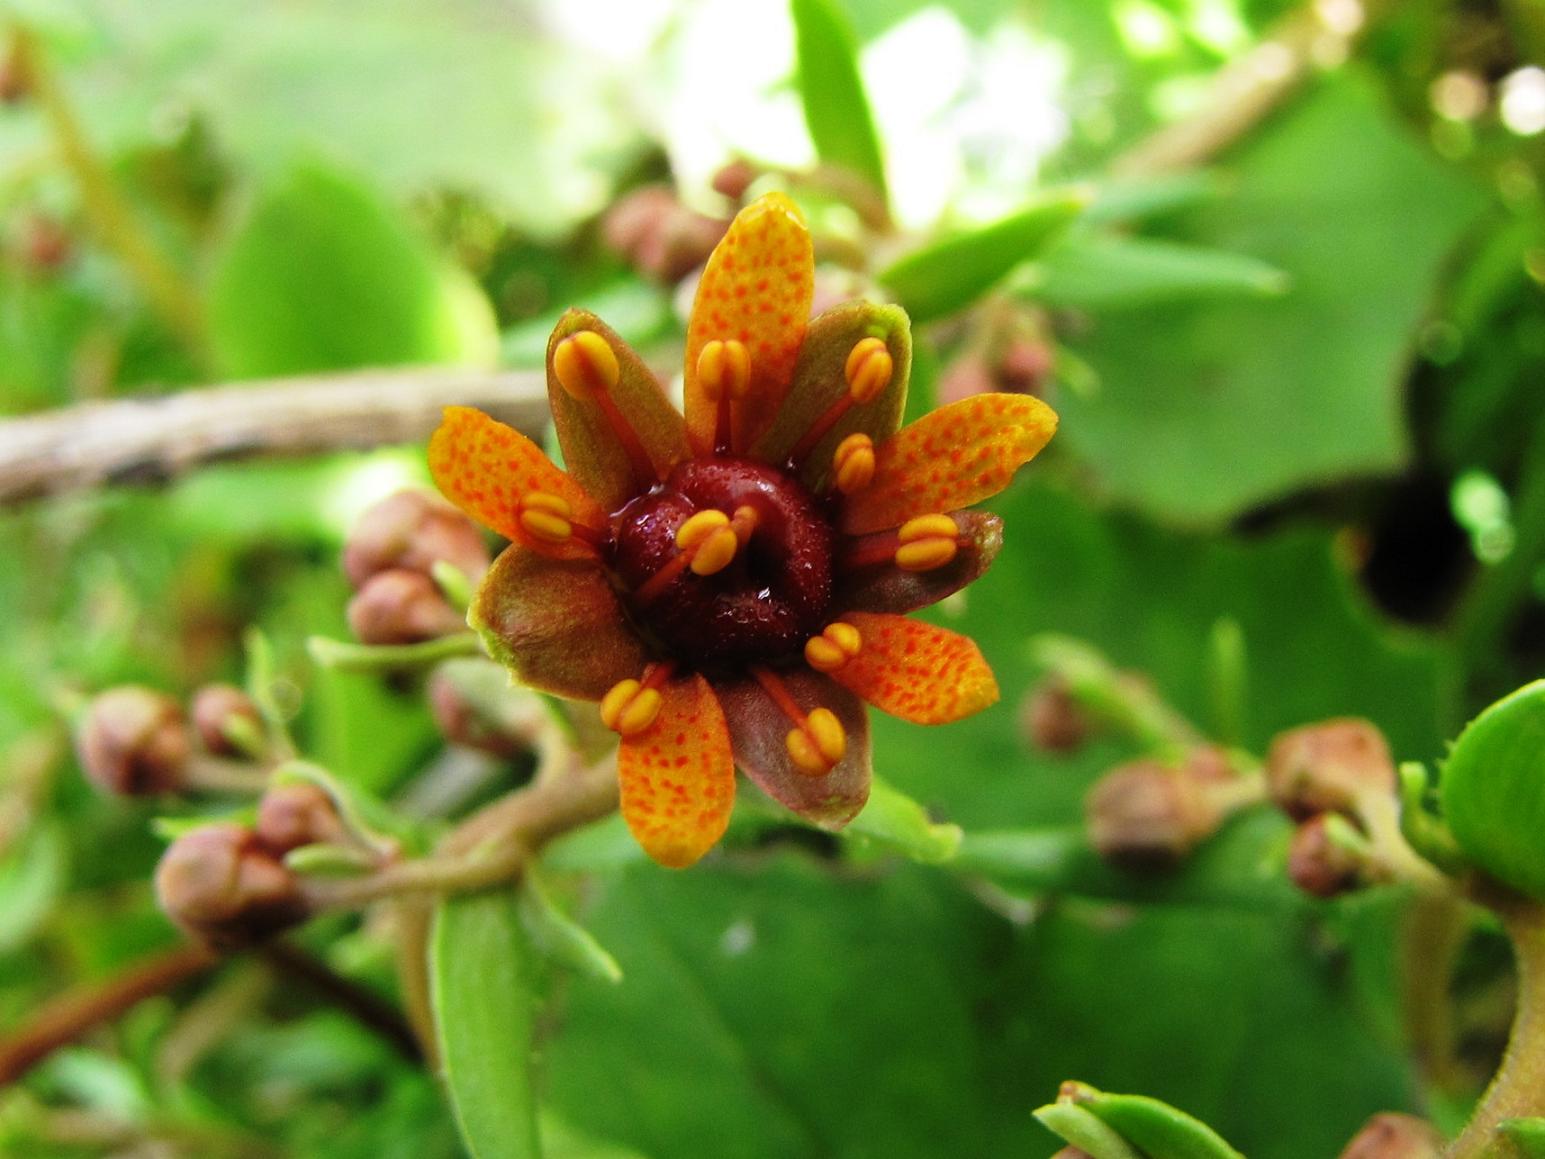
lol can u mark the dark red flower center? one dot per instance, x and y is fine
(771, 597)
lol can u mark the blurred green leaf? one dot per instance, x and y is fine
(1207, 408)
(949, 274)
(322, 275)
(563, 940)
(1493, 790)
(832, 91)
(32, 876)
(1084, 1130)
(1527, 1135)
(1096, 271)
(482, 973)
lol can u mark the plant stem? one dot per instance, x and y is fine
(73, 1013)
(115, 223)
(1518, 1090)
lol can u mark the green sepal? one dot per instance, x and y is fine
(1156, 1129)
(894, 821)
(1493, 790)
(949, 274)
(1085, 1131)
(1420, 824)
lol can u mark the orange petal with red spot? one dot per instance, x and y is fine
(677, 777)
(917, 671)
(953, 457)
(484, 467)
(756, 288)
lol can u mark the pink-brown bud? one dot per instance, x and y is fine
(733, 178)
(15, 84)
(1146, 815)
(293, 815)
(661, 237)
(461, 694)
(221, 885)
(1052, 720)
(43, 244)
(215, 708)
(1024, 365)
(401, 607)
(134, 742)
(412, 531)
(1395, 1136)
(1325, 767)
(1318, 864)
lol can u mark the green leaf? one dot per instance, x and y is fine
(1209, 407)
(32, 877)
(481, 971)
(949, 274)
(558, 936)
(1155, 1128)
(1105, 271)
(1526, 1135)
(895, 821)
(1086, 1131)
(832, 91)
(1493, 790)
(323, 275)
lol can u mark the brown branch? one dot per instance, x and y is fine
(73, 1013)
(362, 1003)
(153, 439)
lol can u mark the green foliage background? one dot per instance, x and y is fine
(1300, 395)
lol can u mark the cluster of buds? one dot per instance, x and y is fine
(659, 236)
(136, 742)
(227, 884)
(1326, 776)
(1147, 815)
(1009, 353)
(390, 558)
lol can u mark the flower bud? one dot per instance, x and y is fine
(134, 741)
(221, 885)
(734, 178)
(292, 815)
(1148, 816)
(474, 705)
(1325, 767)
(662, 238)
(401, 607)
(42, 244)
(1395, 1136)
(412, 531)
(1319, 864)
(15, 84)
(217, 708)
(1052, 720)
(1023, 366)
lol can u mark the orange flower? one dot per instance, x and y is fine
(730, 586)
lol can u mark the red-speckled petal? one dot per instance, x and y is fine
(756, 288)
(953, 457)
(484, 467)
(886, 588)
(677, 776)
(917, 671)
(819, 382)
(555, 624)
(596, 453)
(759, 729)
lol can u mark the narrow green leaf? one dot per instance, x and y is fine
(1493, 789)
(481, 972)
(1124, 199)
(1526, 1135)
(894, 820)
(32, 876)
(947, 275)
(559, 937)
(327, 860)
(1098, 271)
(1085, 1131)
(1157, 1129)
(836, 108)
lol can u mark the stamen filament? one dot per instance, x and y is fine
(548, 518)
(708, 542)
(586, 367)
(920, 544)
(817, 741)
(868, 372)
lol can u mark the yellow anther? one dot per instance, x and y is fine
(816, 748)
(927, 542)
(853, 463)
(699, 527)
(714, 554)
(869, 369)
(546, 517)
(833, 648)
(724, 368)
(628, 708)
(586, 365)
